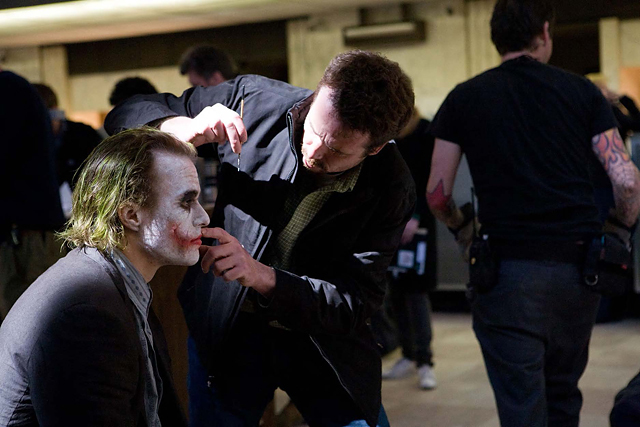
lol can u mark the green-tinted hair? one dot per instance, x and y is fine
(116, 173)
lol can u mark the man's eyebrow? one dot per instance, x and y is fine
(323, 139)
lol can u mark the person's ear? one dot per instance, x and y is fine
(130, 216)
(374, 151)
(546, 34)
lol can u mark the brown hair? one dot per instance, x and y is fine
(371, 94)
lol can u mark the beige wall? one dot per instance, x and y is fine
(620, 55)
(86, 92)
(436, 65)
(457, 46)
(91, 91)
(630, 43)
(24, 61)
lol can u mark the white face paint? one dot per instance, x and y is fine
(170, 227)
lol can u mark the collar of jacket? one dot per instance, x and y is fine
(295, 123)
(110, 268)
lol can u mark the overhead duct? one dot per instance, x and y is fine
(402, 30)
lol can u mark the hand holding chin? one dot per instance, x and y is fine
(231, 261)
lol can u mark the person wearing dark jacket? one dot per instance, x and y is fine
(82, 346)
(310, 213)
(624, 108)
(73, 141)
(408, 290)
(29, 199)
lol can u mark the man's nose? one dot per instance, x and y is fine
(315, 150)
(202, 217)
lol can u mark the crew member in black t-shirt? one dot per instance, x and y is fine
(527, 130)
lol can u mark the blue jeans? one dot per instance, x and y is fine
(534, 329)
(266, 358)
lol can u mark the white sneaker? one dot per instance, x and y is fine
(427, 378)
(401, 369)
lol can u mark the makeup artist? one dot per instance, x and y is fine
(305, 229)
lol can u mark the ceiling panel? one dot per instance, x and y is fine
(56, 22)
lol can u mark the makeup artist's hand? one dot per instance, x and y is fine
(231, 261)
(216, 123)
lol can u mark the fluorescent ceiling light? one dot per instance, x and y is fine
(86, 20)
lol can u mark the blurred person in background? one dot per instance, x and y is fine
(624, 108)
(408, 290)
(207, 66)
(30, 200)
(128, 87)
(73, 141)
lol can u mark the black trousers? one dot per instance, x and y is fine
(534, 329)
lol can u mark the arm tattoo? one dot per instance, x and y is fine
(610, 149)
(442, 205)
(624, 176)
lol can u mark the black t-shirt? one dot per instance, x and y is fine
(526, 129)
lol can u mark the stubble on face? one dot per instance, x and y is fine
(327, 147)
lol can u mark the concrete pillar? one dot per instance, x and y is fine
(610, 51)
(55, 74)
(482, 53)
(24, 61)
(313, 42)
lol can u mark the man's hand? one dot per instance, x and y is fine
(231, 261)
(409, 231)
(464, 234)
(216, 123)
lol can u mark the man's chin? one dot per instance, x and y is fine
(187, 260)
(312, 167)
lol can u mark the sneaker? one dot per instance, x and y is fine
(427, 377)
(401, 369)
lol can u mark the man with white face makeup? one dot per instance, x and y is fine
(82, 346)
(307, 222)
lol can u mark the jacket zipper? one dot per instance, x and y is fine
(265, 239)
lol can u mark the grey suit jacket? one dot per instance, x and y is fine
(70, 353)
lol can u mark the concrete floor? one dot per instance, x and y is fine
(464, 397)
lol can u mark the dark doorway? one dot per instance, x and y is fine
(259, 48)
(576, 48)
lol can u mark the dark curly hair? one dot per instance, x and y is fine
(371, 94)
(515, 23)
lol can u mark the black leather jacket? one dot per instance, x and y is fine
(337, 275)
